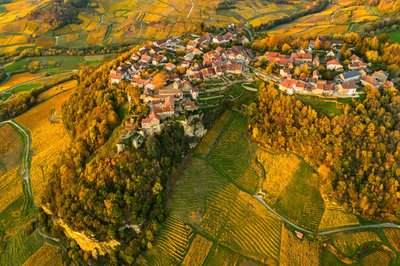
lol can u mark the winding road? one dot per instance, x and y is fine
(25, 163)
(326, 232)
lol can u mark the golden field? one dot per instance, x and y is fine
(17, 79)
(47, 255)
(298, 252)
(11, 149)
(48, 138)
(198, 251)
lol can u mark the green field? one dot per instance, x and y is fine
(327, 107)
(55, 64)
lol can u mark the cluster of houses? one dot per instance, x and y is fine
(345, 84)
(187, 62)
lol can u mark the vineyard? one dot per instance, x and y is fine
(213, 218)
(348, 244)
(48, 138)
(114, 22)
(298, 252)
(379, 257)
(47, 255)
(198, 251)
(209, 199)
(11, 151)
(393, 237)
(338, 17)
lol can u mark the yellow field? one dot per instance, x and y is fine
(198, 251)
(57, 90)
(379, 257)
(48, 139)
(298, 252)
(250, 230)
(348, 244)
(393, 237)
(279, 171)
(47, 255)
(204, 146)
(17, 79)
(11, 150)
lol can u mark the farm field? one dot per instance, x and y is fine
(124, 21)
(48, 135)
(20, 240)
(339, 17)
(47, 255)
(54, 64)
(213, 218)
(328, 107)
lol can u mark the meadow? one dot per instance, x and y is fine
(53, 64)
(328, 107)
(395, 35)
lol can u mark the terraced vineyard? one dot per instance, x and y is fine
(213, 218)
(209, 198)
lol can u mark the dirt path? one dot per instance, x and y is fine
(191, 9)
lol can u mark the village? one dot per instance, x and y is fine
(300, 71)
(190, 61)
(187, 62)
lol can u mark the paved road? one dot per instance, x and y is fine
(326, 232)
(25, 163)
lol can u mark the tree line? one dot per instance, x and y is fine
(318, 6)
(356, 153)
(24, 101)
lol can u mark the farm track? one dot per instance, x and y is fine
(191, 9)
(26, 167)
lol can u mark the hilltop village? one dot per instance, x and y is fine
(170, 74)
(186, 64)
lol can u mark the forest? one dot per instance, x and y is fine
(356, 153)
(103, 193)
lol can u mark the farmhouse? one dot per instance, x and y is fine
(380, 76)
(151, 124)
(368, 80)
(288, 84)
(347, 88)
(170, 66)
(334, 65)
(353, 75)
